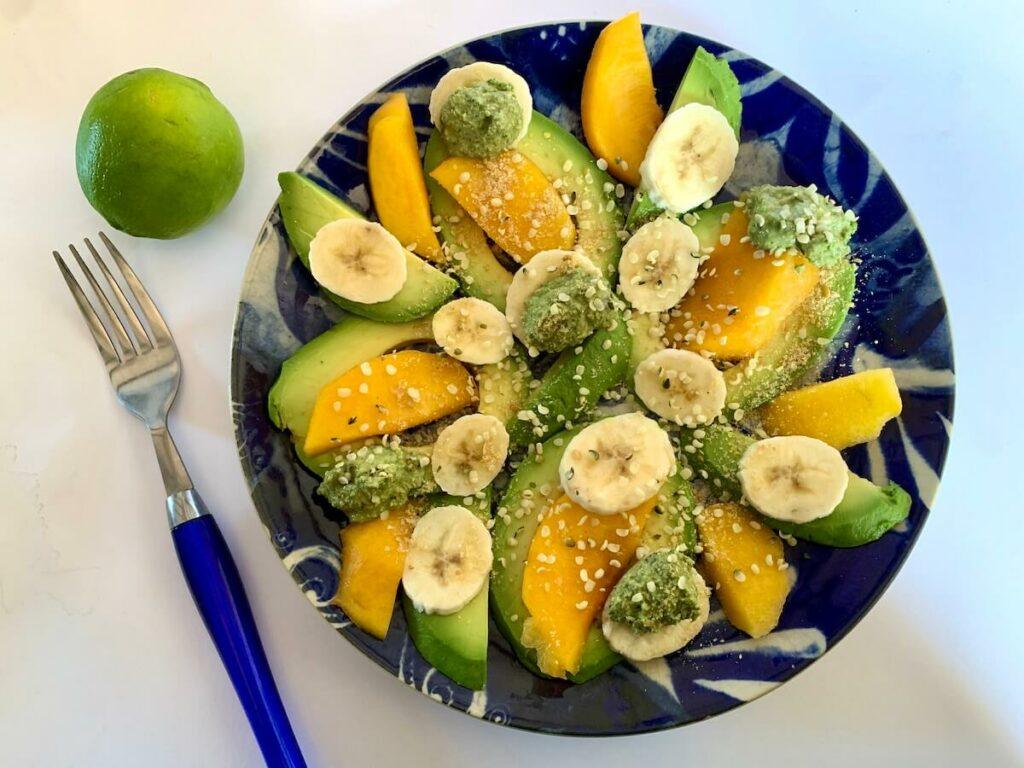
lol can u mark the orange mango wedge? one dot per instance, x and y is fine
(396, 178)
(512, 201)
(372, 561)
(741, 296)
(575, 559)
(386, 395)
(620, 108)
(744, 562)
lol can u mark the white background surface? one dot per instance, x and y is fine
(103, 660)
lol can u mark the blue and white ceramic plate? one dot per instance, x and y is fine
(899, 320)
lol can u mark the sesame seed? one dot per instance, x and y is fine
(366, 369)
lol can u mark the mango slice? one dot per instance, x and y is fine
(744, 562)
(575, 559)
(372, 560)
(843, 412)
(386, 395)
(511, 200)
(620, 108)
(741, 297)
(396, 178)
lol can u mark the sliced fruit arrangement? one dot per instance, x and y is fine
(633, 392)
(306, 207)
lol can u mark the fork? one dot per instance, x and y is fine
(145, 370)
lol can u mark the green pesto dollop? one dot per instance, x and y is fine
(481, 119)
(658, 591)
(372, 480)
(566, 310)
(801, 218)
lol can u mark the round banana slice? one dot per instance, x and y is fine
(469, 453)
(652, 645)
(544, 266)
(473, 331)
(616, 464)
(448, 560)
(793, 478)
(358, 260)
(475, 73)
(690, 158)
(680, 386)
(659, 264)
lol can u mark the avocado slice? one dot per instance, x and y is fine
(470, 257)
(456, 644)
(514, 527)
(710, 80)
(671, 524)
(571, 387)
(647, 336)
(504, 386)
(562, 158)
(320, 361)
(306, 206)
(865, 513)
(707, 80)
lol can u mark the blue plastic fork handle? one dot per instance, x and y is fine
(217, 589)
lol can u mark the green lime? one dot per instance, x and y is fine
(157, 154)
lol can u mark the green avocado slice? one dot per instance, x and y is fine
(470, 257)
(571, 387)
(568, 164)
(864, 515)
(306, 206)
(456, 644)
(321, 360)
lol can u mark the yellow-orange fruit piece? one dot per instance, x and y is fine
(372, 560)
(741, 297)
(620, 108)
(575, 559)
(396, 178)
(387, 395)
(842, 412)
(744, 562)
(512, 201)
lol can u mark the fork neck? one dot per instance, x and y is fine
(172, 468)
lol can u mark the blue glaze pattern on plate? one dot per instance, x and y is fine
(898, 320)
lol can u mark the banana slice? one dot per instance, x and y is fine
(358, 260)
(616, 464)
(690, 158)
(680, 386)
(473, 331)
(793, 478)
(448, 560)
(474, 73)
(659, 264)
(544, 266)
(469, 453)
(652, 645)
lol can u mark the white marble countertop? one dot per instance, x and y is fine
(103, 659)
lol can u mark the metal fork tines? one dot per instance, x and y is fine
(141, 359)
